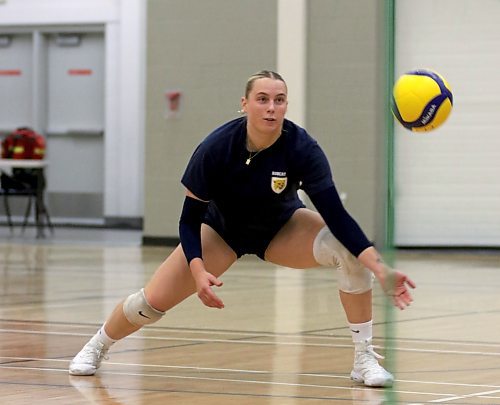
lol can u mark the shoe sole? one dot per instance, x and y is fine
(82, 372)
(387, 383)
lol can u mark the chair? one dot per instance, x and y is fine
(28, 183)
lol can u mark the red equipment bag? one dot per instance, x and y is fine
(23, 143)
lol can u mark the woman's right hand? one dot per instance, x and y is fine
(204, 282)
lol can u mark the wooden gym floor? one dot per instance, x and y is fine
(281, 339)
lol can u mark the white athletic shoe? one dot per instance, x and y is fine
(88, 360)
(366, 369)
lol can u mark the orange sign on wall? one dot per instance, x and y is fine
(10, 72)
(80, 72)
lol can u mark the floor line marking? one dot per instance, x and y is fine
(230, 380)
(254, 342)
(478, 394)
(230, 370)
(253, 333)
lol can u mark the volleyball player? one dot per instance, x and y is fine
(241, 198)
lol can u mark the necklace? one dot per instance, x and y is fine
(251, 155)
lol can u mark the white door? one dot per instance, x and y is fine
(75, 123)
(16, 78)
(447, 182)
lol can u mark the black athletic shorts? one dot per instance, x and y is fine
(245, 239)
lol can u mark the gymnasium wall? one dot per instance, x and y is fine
(345, 102)
(459, 207)
(206, 50)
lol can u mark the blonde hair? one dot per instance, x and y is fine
(261, 75)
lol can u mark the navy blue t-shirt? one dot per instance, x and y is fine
(261, 195)
(265, 190)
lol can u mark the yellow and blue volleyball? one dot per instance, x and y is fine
(421, 100)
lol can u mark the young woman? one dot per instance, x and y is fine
(241, 198)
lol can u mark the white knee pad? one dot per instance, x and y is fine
(352, 276)
(138, 311)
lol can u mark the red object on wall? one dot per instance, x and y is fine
(79, 72)
(174, 100)
(10, 72)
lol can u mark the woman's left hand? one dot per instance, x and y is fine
(395, 285)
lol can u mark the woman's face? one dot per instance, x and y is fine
(266, 106)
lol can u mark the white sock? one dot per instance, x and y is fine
(361, 332)
(102, 336)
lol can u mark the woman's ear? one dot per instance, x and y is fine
(243, 105)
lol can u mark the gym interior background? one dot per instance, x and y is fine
(124, 90)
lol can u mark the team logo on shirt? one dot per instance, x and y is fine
(278, 181)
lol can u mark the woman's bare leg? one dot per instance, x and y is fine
(293, 247)
(172, 282)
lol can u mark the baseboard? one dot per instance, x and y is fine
(123, 222)
(160, 241)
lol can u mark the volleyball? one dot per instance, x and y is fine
(421, 100)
